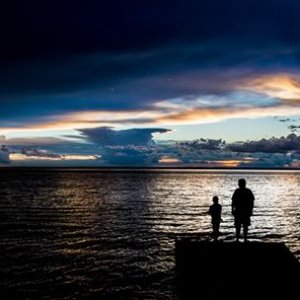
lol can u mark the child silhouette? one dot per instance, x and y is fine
(215, 210)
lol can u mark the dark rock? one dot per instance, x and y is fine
(229, 270)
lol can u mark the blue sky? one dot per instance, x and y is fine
(91, 83)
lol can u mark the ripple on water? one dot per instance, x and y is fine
(79, 235)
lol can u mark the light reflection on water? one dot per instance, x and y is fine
(74, 235)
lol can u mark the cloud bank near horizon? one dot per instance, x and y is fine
(136, 147)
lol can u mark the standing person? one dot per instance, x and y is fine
(242, 208)
(215, 210)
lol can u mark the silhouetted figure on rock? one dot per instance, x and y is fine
(242, 208)
(215, 210)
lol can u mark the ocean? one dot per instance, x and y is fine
(94, 234)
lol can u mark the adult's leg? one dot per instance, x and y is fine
(218, 228)
(215, 231)
(237, 230)
(245, 228)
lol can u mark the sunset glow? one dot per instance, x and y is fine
(196, 84)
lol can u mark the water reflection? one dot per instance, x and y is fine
(79, 234)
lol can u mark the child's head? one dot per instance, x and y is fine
(215, 199)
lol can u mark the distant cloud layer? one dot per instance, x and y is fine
(218, 153)
(272, 145)
(137, 147)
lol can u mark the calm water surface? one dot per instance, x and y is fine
(95, 235)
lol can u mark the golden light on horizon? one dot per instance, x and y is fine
(224, 163)
(169, 160)
(22, 157)
(230, 163)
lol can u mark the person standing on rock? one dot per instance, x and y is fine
(242, 208)
(215, 210)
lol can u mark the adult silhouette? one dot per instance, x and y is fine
(242, 208)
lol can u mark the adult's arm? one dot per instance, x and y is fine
(251, 202)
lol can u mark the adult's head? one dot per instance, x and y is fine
(242, 183)
(215, 199)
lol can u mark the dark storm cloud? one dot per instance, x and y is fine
(272, 145)
(118, 55)
(4, 155)
(125, 147)
(130, 155)
(106, 136)
(199, 145)
(294, 128)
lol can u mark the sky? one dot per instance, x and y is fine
(150, 83)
